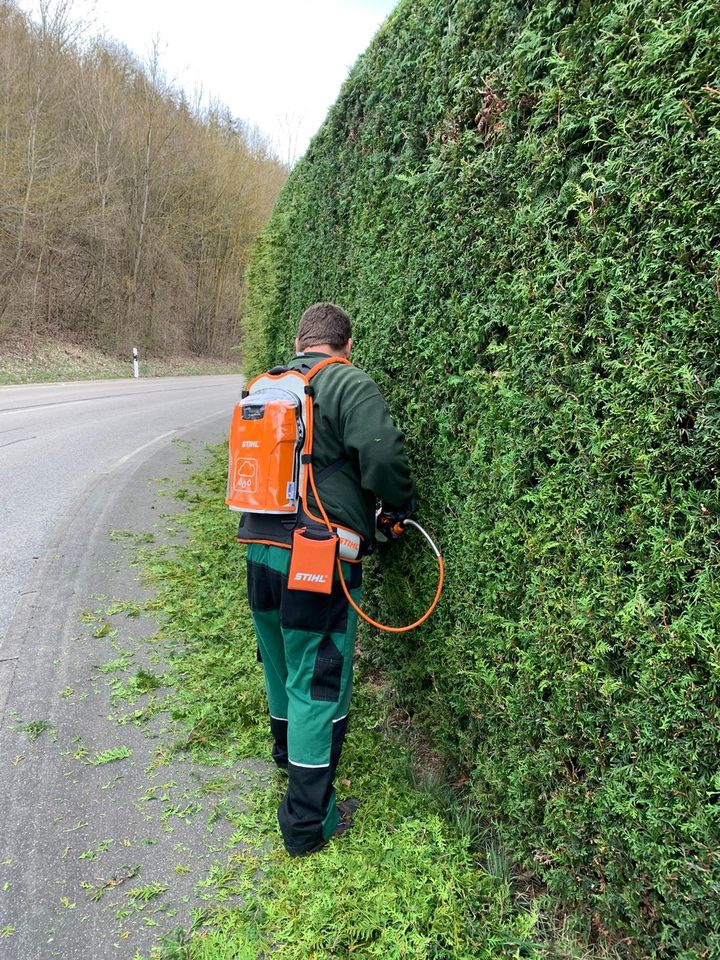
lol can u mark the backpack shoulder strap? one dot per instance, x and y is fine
(316, 368)
(321, 364)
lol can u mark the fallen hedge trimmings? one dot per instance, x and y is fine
(518, 205)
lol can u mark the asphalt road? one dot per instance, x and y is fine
(56, 439)
(84, 475)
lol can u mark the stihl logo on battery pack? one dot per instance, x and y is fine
(311, 577)
(250, 443)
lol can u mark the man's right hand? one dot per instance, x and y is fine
(390, 524)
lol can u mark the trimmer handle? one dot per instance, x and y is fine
(391, 524)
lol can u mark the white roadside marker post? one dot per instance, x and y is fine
(136, 363)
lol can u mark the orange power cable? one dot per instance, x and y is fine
(356, 608)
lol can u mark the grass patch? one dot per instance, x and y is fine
(408, 881)
(48, 360)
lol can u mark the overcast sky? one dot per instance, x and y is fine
(277, 63)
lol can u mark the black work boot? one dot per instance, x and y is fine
(347, 809)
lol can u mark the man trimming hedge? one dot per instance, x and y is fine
(306, 640)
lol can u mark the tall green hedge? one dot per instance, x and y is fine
(519, 205)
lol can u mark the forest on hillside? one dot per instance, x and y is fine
(126, 213)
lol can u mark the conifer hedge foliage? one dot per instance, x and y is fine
(518, 203)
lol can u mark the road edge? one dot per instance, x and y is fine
(30, 602)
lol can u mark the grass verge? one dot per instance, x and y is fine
(413, 879)
(52, 361)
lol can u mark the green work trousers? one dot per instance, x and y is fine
(306, 643)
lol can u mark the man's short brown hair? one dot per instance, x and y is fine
(324, 323)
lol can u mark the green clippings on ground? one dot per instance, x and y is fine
(34, 728)
(146, 680)
(217, 785)
(90, 616)
(109, 756)
(186, 812)
(142, 682)
(129, 535)
(140, 716)
(146, 893)
(405, 882)
(130, 608)
(93, 854)
(96, 891)
(119, 663)
(78, 825)
(104, 630)
(150, 794)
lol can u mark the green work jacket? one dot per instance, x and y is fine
(352, 422)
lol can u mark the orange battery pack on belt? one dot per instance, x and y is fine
(312, 562)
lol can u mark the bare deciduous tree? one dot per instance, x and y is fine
(126, 213)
